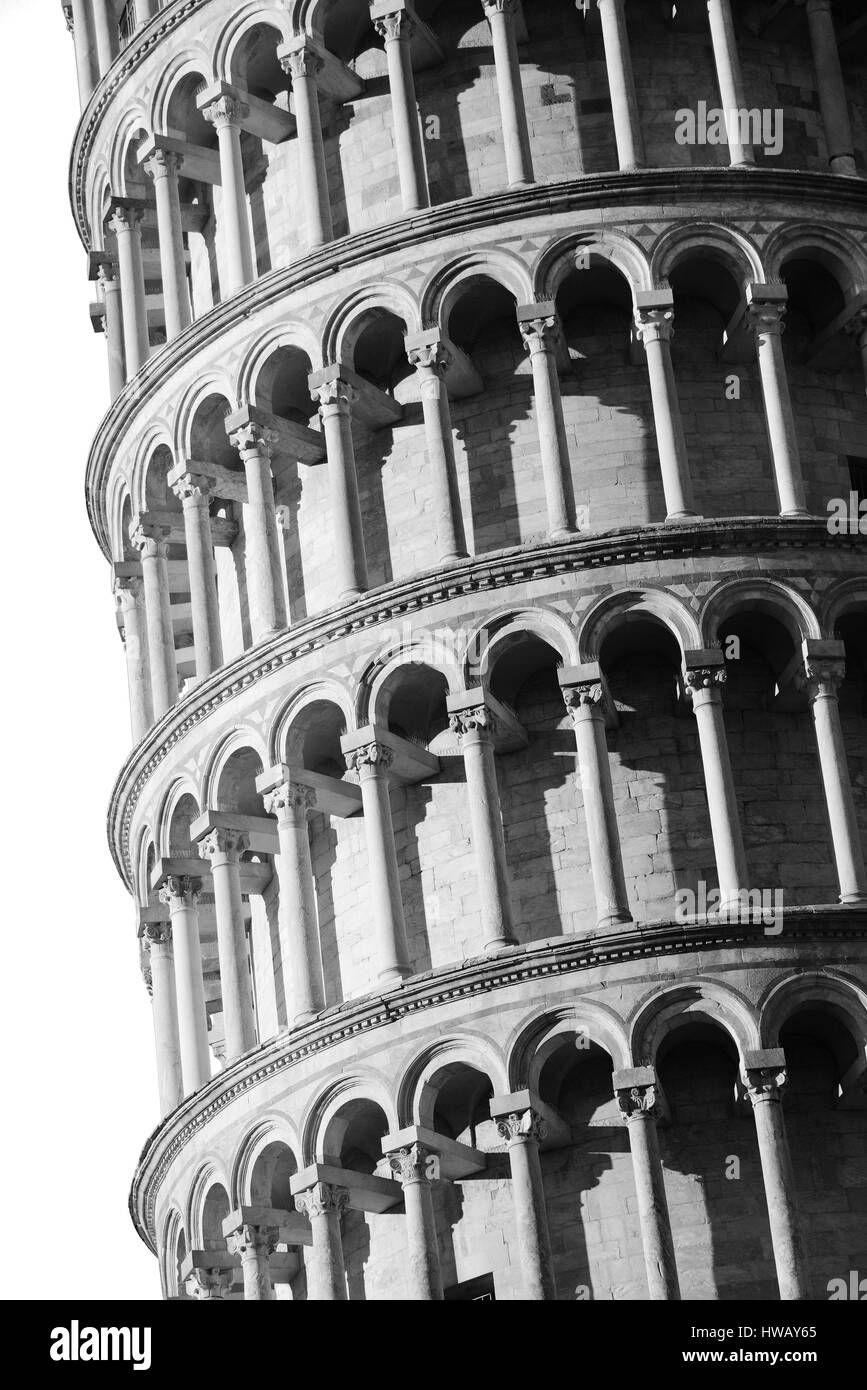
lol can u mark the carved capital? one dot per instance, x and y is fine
(258, 1242)
(193, 487)
(522, 1127)
(475, 719)
(210, 1283)
(223, 844)
(636, 1101)
(181, 890)
(583, 698)
(147, 975)
(377, 757)
(68, 17)
(697, 678)
(150, 540)
(395, 28)
(124, 218)
(654, 325)
(821, 676)
(857, 325)
(429, 357)
(225, 111)
(290, 799)
(764, 1083)
(156, 934)
(303, 62)
(540, 335)
(254, 439)
(163, 163)
(410, 1164)
(766, 319)
(321, 1199)
(335, 396)
(495, 7)
(128, 592)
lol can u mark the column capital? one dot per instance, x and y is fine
(636, 1091)
(393, 22)
(585, 693)
(180, 890)
(539, 326)
(322, 1199)
(128, 589)
(211, 1283)
(704, 670)
(156, 934)
(249, 1239)
(161, 163)
(289, 798)
(370, 757)
(824, 668)
(149, 537)
(411, 1163)
(300, 62)
(125, 214)
(250, 435)
(427, 352)
(492, 7)
(66, 6)
(102, 266)
(331, 388)
(763, 1074)
(521, 1127)
(191, 487)
(223, 843)
(225, 111)
(474, 719)
(655, 324)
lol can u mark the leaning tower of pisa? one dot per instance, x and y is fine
(490, 572)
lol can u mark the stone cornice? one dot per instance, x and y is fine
(653, 188)
(729, 535)
(516, 965)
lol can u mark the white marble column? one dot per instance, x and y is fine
(621, 85)
(255, 1245)
(264, 552)
(500, 15)
(475, 727)
(108, 281)
(301, 65)
(704, 678)
(105, 32)
(584, 695)
(636, 1093)
(654, 323)
(181, 895)
(766, 309)
(430, 359)
(764, 1076)
(821, 676)
(291, 800)
(729, 77)
(323, 1203)
(350, 561)
(157, 937)
(857, 329)
(145, 10)
(79, 21)
(522, 1131)
(540, 332)
(410, 1167)
(371, 762)
(129, 593)
(194, 492)
(125, 223)
(224, 115)
(162, 166)
(396, 29)
(831, 88)
(151, 541)
(223, 848)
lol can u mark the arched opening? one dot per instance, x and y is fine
(256, 70)
(851, 629)
(720, 392)
(179, 1254)
(209, 445)
(214, 1212)
(270, 1179)
(163, 504)
(185, 122)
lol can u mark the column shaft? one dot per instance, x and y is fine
(621, 85)
(767, 321)
(163, 168)
(728, 71)
(264, 557)
(704, 685)
(136, 341)
(130, 595)
(323, 1204)
(224, 115)
(350, 560)
(430, 363)
(194, 492)
(764, 1087)
(114, 335)
(254, 1244)
(655, 329)
(584, 701)
(165, 1016)
(424, 1281)
(224, 848)
(510, 92)
(302, 66)
(161, 642)
(475, 729)
(821, 680)
(658, 1246)
(106, 33)
(396, 29)
(86, 59)
(298, 917)
(540, 336)
(522, 1133)
(372, 762)
(831, 87)
(181, 895)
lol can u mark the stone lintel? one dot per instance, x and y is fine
(456, 1160)
(97, 315)
(424, 45)
(254, 877)
(765, 1058)
(269, 122)
(508, 732)
(297, 441)
(409, 764)
(758, 293)
(823, 649)
(544, 309)
(208, 1259)
(291, 1227)
(366, 1191)
(628, 1077)
(228, 484)
(199, 162)
(696, 657)
(369, 405)
(146, 916)
(334, 79)
(660, 298)
(334, 797)
(172, 522)
(260, 830)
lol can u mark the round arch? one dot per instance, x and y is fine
(730, 248)
(240, 23)
(215, 383)
(416, 1095)
(841, 255)
(770, 596)
(358, 1086)
(271, 1129)
(289, 334)
(605, 248)
(286, 733)
(843, 997)
(707, 1000)
(447, 284)
(537, 1038)
(508, 628)
(373, 695)
(241, 738)
(348, 319)
(636, 605)
(194, 61)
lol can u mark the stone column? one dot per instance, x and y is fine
(255, 1245)
(831, 88)
(729, 77)
(704, 678)
(621, 85)
(146, 9)
(522, 1132)
(151, 541)
(125, 223)
(301, 66)
(396, 29)
(764, 1076)
(635, 1091)
(822, 673)
(410, 1166)
(210, 1285)
(194, 491)
(86, 61)
(158, 942)
(105, 32)
(476, 728)
(655, 327)
(350, 561)
(224, 849)
(323, 1204)
(540, 334)
(371, 761)
(224, 115)
(857, 329)
(765, 316)
(584, 696)
(291, 801)
(430, 359)
(109, 288)
(264, 556)
(163, 166)
(500, 15)
(129, 593)
(181, 894)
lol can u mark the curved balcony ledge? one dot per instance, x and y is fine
(825, 925)
(395, 601)
(653, 188)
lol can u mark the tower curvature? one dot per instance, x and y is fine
(484, 487)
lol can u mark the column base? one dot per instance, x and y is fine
(395, 975)
(684, 516)
(300, 1019)
(844, 164)
(500, 943)
(614, 919)
(454, 557)
(853, 900)
(523, 183)
(797, 514)
(564, 533)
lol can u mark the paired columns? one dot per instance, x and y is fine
(522, 1128)
(335, 396)
(125, 222)
(162, 166)
(764, 1077)
(157, 937)
(729, 77)
(540, 332)
(500, 15)
(654, 324)
(151, 541)
(704, 677)
(225, 115)
(194, 492)
(831, 88)
(181, 895)
(621, 85)
(264, 560)
(394, 23)
(637, 1096)
(766, 307)
(129, 592)
(821, 675)
(430, 357)
(586, 699)
(371, 760)
(323, 1203)
(291, 800)
(224, 847)
(301, 65)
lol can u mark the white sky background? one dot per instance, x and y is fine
(79, 1077)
